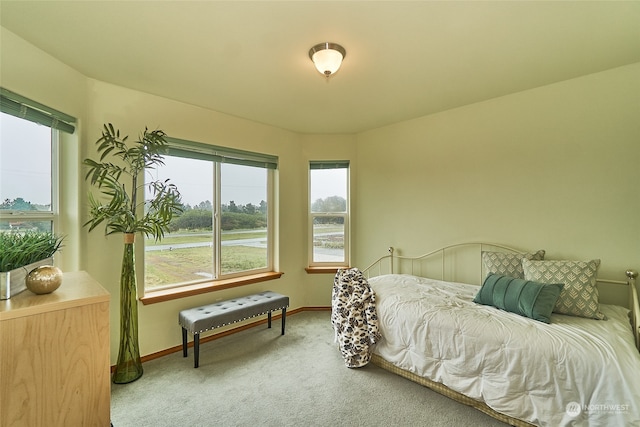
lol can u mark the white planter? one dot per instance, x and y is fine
(12, 282)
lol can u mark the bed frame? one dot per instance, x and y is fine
(463, 263)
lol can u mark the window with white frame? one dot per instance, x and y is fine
(225, 230)
(29, 134)
(329, 213)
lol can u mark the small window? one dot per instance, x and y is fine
(329, 214)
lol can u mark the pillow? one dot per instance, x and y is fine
(507, 264)
(524, 297)
(579, 297)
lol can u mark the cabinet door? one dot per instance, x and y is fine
(55, 368)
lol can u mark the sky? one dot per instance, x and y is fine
(194, 179)
(328, 182)
(25, 159)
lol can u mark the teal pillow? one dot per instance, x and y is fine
(524, 297)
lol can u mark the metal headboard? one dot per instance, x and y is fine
(417, 265)
(392, 263)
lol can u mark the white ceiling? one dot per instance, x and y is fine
(404, 59)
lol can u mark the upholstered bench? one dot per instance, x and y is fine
(200, 319)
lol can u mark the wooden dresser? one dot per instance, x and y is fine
(54, 356)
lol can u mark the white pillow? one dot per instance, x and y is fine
(579, 296)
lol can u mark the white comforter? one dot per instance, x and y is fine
(574, 371)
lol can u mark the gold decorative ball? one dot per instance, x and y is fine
(44, 279)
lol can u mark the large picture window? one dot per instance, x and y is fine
(329, 213)
(225, 228)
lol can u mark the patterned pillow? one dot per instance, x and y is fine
(507, 264)
(579, 296)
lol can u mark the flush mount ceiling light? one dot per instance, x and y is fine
(327, 57)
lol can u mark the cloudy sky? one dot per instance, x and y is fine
(25, 171)
(25, 160)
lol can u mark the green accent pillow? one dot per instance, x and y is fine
(524, 297)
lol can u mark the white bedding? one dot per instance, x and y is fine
(574, 371)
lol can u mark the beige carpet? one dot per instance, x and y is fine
(259, 378)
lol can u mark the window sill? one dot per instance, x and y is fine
(324, 270)
(202, 288)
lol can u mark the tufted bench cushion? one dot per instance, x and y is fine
(200, 319)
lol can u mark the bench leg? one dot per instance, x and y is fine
(196, 349)
(269, 320)
(184, 342)
(284, 317)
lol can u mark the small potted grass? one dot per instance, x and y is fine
(22, 252)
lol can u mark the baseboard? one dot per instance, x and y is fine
(228, 332)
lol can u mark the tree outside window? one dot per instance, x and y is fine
(224, 229)
(329, 213)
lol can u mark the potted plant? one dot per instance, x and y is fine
(21, 252)
(122, 211)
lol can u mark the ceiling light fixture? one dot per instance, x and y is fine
(327, 57)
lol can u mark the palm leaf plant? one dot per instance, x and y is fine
(120, 208)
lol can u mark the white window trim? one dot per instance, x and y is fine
(347, 238)
(217, 252)
(217, 240)
(347, 233)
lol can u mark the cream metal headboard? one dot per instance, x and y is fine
(438, 265)
(441, 263)
(634, 305)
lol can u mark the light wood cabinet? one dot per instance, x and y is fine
(54, 356)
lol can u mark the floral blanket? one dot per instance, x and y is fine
(354, 317)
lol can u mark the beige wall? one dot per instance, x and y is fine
(131, 111)
(323, 147)
(555, 168)
(94, 103)
(36, 75)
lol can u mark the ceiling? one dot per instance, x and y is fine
(404, 59)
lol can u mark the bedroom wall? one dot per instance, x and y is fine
(552, 168)
(94, 103)
(324, 147)
(131, 111)
(62, 88)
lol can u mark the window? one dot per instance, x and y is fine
(29, 134)
(225, 229)
(329, 214)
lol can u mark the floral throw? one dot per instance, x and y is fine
(354, 317)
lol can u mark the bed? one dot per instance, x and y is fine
(571, 371)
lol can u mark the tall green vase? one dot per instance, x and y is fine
(129, 366)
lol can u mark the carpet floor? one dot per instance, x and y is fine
(257, 377)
